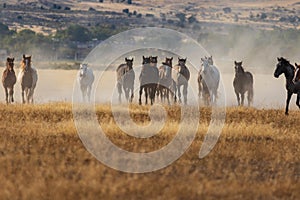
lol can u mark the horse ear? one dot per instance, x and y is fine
(13, 59)
(144, 57)
(278, 59)
(24, 56)
(235, 62)
(7, 59)
(241, 62)
(296, 65)
(171, 58)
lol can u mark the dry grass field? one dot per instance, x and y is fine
(42, 157)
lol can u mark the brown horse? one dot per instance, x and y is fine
(242, 83)
(166, 85)
(125, 79)
(28, 78)
(9, 80)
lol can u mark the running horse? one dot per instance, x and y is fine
(242, 83)
(203, 90)
(210, 80)
(181, 77)
(9, 80)
(28, 78)
(284, 67)
(125, 79)
(148, 79)
(166, 85)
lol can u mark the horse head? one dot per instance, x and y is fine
(146, 60)
(10, 63)
(153, 61)
(26, 63)
(205, 64)
(238, 67)
(282, 67)
(168, 61)
(129, 63)
(210, 60)
(83, 70)
(181, 62)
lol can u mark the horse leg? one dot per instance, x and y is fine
(179, 93)
(146, 94)
(119, 86)
(289, 96)
(298, 100)
(12, 94)
(168, 95)
(132, 94)
(140, 93)
(238, 97)
(242, 98)
(23, 91)
(89, 89)
(6, 95)
(185, 86)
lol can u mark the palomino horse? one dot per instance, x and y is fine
(181, 78)
(202, 87)
(85, 78)
(242, 83)
(9, 80)
(284, 67)
(125, 79)
(210, 79)
(166, 84)
(148, 79)
(28, 78)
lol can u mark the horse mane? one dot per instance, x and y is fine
(287, 62)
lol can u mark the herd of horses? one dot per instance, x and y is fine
(163, 82)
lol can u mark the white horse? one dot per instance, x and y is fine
(211, 77)
(28, 78)
(85, 78)
(181, 76)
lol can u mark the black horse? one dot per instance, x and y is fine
(242, 83)
(284, 67)
(148, 79)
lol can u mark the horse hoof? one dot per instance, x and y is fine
(286, 113)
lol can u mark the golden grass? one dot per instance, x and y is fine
(42, 157)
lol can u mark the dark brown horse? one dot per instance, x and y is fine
(284, 67)
(125, 79)
(242, 83)
(148, 79)
(9, 80)
(28, 78)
